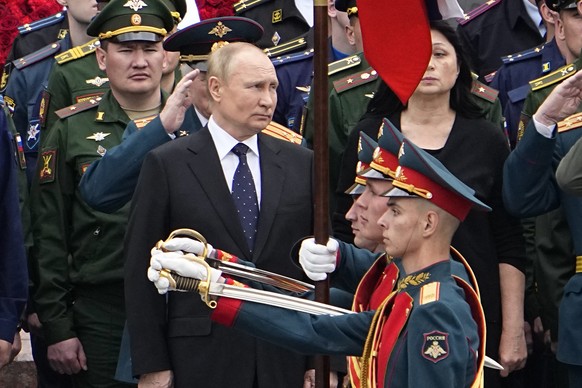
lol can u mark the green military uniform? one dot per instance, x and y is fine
(486, 98)
(80, 251)
(351, 85)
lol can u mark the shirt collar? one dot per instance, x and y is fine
(224, 142)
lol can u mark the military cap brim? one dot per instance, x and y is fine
(355, 189)
(420, 175)
(198, 39)
(178, 8)
(560, 5)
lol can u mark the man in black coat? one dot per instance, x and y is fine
(187, 183)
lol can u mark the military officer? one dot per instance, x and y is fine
(78, 78)
(79, 252)
(568, 172)
(530, 187)
(415, 324)
(497, 28)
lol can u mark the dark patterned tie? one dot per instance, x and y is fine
(245, 195)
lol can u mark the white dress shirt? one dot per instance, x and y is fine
(229, 161)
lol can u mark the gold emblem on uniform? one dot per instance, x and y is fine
(4, 80)
(97, 81)
(413, 280)
(399, 176)
(435, 350)
(219, 30)
(101, 150)
(46, 170)
(98, 136)
(217, 45)
(135, 5)
(100, 116)
(276, 38)
(62, 33)
(277, 16)
(135, 19)
(435, 346)
(546, 67)
(47, 173)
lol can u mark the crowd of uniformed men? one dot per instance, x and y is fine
(80, 88)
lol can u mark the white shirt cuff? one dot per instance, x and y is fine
(543, 129)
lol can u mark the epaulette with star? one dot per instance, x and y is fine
(525, 54)
(37, 56)
(42, 23)
(245, 5)
(485, 92)
(571, 122)
(281, 132)
(554, 77)
(472, 14)
(292, 57)
(353, 80)
(343, 64)
(77, 52)
(78, 107)
(293, 45)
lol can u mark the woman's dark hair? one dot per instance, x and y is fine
(385, 101)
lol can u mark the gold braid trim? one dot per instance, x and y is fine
(111, 34)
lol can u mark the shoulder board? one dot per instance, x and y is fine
(525, 54)
(77, 52)
(287, 47)
(571, 122)
(245, 5)
(37, 56)
(429, 293)
(343, 64)
(292, 57)
(554, 77)
(78, 107)
(279, 131)
(356, 79)
(472, 14)
(37, 25)
(519, 94)
(485, 92)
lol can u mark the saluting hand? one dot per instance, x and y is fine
(172, 116)
(562, 102)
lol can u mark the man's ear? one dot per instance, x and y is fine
(215, 88)
(101, 56)
(430, 223)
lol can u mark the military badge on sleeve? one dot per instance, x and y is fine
(435, 346)
(48, 160)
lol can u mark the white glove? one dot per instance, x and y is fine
(188, 245)
(318, 260)
(179, 264)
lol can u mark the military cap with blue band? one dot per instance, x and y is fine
(132, 20)
(560, 5)
(386, 154)
(419, 174)
(196, 42)
(366, 147)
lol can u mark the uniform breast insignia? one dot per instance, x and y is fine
(276, 38)
(47, 172)
(523, 120)
(83, 168)
(554, 77)
(20, 151)
(277, 16)
(45, 22)
(287, 47)
(97, 81)
(525, 54)
(343, 64)
(283, 133)
(435, 346)
(98, 136)
(353, 80)
(77, 52)
(471, 15)
(37, 56)
(485, 92)
(101, 151)
(571, 122)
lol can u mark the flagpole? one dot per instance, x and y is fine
(321, 160)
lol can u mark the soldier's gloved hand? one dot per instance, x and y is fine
(318, 260)
(188, 245)
(178, 264)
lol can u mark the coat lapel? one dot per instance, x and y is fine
(272, 180)
(208, 171)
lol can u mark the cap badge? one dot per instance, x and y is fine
(135, 5)
(217, 45)
(381, 131)
(220, 30)
(135, 19)
(401, 151)
(400, 174)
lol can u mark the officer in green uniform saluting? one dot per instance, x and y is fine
(80, 293)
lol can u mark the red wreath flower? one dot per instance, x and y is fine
(214, 8)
